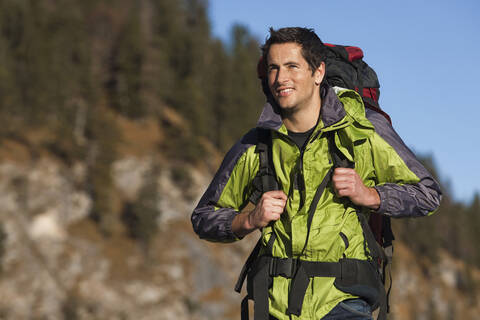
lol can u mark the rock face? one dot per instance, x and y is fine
(56, 265)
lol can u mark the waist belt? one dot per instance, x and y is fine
(260, 279)
(288, 267)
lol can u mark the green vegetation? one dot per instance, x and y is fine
(64, 61)
(70, 69)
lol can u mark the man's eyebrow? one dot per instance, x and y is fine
(285, 64)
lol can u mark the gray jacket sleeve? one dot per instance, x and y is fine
(209, 221)
(409, 200)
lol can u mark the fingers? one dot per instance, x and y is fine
(276, 197)
(344, 173)
(345, 181)
(277, 194)
(273, 216)
(274, 205)
(269, 208)
(341, 170)
(344, 188)
(274, 202)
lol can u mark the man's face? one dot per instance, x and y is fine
(290, 78)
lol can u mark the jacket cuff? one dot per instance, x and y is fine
(228, 228)
(383, 200)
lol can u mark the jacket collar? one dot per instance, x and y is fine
(331, 112)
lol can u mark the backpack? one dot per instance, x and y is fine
(345, 68)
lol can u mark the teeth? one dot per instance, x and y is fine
(286, 90)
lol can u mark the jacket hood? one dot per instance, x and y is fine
(331, 112)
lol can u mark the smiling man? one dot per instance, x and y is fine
(314, 260)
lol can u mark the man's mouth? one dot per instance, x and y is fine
(284, 92)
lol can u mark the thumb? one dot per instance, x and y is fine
(277, 194)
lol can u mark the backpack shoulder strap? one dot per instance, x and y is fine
(338, 158)
(340, 161)
(265, 180)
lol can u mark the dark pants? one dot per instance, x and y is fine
(353, 309)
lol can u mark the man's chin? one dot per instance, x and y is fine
(283, 104)
(286, 109)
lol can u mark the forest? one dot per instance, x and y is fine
(71, 69)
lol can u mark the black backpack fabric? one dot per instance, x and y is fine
(347, 69)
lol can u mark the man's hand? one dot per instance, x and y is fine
(347, 183)
(269, 208)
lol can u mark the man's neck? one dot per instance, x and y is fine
(302, 119)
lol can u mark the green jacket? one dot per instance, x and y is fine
(381, 159)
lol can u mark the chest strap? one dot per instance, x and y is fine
(288, 267)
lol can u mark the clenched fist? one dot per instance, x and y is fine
(269, 208)
(347, 183)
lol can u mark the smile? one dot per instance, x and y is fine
(284, 92)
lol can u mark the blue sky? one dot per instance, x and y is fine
(426, 55)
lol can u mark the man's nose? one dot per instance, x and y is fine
(282, 76)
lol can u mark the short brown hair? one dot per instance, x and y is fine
(313, 49)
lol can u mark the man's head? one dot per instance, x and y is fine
(295, 68)
(313, 49)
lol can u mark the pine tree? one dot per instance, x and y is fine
(142, 215)
(103, 140)
(126, 64)
(219, 133)
(472, 225)
(245, 95)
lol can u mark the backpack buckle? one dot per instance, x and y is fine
(283, 267)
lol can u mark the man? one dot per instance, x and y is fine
(306, 119)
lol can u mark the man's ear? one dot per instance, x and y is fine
(319, 73)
